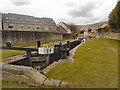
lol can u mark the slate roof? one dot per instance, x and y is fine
(18, 18)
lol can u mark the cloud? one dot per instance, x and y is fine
(69, 4)
(81, 20)
(20, 2)
(84, 11)
(94, 19)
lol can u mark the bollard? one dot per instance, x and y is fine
(8, 43)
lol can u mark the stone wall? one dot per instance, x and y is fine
(20, 37)
(67, 36)
(110, 35)
(61, 30)
(17, 26)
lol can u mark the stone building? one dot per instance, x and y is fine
(61, 29)
(64, 28)
(24, 22)
(92, 28)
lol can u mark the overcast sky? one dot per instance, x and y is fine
(79, 12)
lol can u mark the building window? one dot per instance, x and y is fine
(46, 28)
(53, 27)
(6, 17)
(10, 26)
(41, 28)
(28, 27)
(21, 27)
(38, 28)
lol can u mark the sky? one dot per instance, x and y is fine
(79, 12)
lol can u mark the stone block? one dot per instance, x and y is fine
(28, 72)
(17, 78)
(52, 82)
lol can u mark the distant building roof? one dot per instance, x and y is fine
(18, 18)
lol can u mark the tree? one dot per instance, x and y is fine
(114, 17)
(117, 15)
(111, 20)
(73, 28)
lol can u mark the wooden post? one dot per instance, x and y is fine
(38, 44)
(68, 47)
(47, 60)
(29, 56)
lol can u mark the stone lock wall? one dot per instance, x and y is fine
(20, 37)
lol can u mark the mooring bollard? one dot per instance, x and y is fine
(9, 43)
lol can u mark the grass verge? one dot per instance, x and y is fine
(94, 68)
(9, 84)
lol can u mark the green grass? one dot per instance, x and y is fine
(35, 42)
(94, 68)
(50, 43)
(9, 84)
(8, 53)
